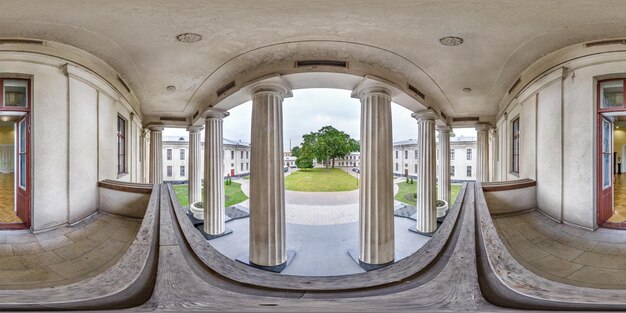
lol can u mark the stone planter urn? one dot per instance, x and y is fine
(197, 209)
(442, 207)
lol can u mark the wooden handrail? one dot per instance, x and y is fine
(126, 186)
(508, 185)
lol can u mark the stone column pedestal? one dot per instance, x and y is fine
(426, 217)
(482, 160)
(156, 153)
(195, 176)
(376, 221)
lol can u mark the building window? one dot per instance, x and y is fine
(396, 154)
(242, 166)
(247, 156)
(169, 154)
(232, 155)
(415, 168)
(15, 92)
(611, 94)
(406, 165)
(406, 154)
(416, 154)
(182, 154)
(452, 171)
(451, 154)
(469, 171)
(469, 154)
(396, 166)
(247, 168)
(182, 171)
(121, 145)
(515, 161)
(169, 171)
(242, 154)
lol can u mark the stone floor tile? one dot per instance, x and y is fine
(77, 249)
(600, 276)
(559, 250)
(527, 250)
(602, 260)
(6, 249)
(556, 266)
(55, 243)
(81, 265)
(21, 238)
(104, 233)
(41, 259)
(533, 234)
(577, 242)
(609, 248)
(111, 247)
(27, 248)
(11, 263)
(25, 277)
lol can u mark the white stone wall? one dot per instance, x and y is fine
(73, 136)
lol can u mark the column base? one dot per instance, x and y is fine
(227, 231)
(430, 234)
(354, 254)
(193, 219)
(245, 259)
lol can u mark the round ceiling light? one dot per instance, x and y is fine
(467, 90)
(451, 41)
(171, 88)
(189, 37)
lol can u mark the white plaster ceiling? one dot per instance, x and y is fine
(138, 39)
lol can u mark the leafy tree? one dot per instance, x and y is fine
(328, 144)
(295, 151)
(304, 162)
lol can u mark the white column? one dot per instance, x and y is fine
(426, 172)
(156, 153)
(482, 161)
(214, 211)
(444, 164)
(493, 155)
(267, 196)
(194, 174)
(376, 221)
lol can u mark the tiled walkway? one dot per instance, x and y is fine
(619, 196)
(64, 255)
(7, 213)
(565, 253)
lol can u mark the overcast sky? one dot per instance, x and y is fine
(311, 109)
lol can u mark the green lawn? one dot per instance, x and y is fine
(232, 192)
(321, 180)
(406, 189)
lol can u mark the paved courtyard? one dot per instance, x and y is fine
(321, 228)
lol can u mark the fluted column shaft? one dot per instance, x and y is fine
(214, 211)
(156, 154)
(482, 161)
(194, 174)
(444, 163)
(267, 196)
(426, 172)
(494, 154)
(376, 187)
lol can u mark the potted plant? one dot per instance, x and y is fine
(197, 209)
(442, 207)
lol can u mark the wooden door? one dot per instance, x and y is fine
(605, 169)
(22, 181)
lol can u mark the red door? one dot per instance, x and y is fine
(232, 172)
(22, 177)
(605, 169)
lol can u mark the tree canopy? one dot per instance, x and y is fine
(326, 145)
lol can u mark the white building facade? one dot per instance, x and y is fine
(176, 158)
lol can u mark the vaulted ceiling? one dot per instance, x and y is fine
(138, 39)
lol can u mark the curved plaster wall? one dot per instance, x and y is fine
(73, 135)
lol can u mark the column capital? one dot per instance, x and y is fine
(428, 114)
(444, 129)
(156, 127)
(276, 86)
(366, 91)
(483, 126)
(195, 128)
(217, 114)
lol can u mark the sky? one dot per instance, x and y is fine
(311, 109)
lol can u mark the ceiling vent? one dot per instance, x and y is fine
(119, 79)
(21, 41)
(195, 114)
(173, 119)
(465, 119)
(226, 88)
(519, 80)
(343, 64)
(417, 92)
(606, 43)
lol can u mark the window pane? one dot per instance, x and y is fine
(22, 137)
(15, 93)
(611, 94)
(22, 170)
(606, 136)
(606, 170)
